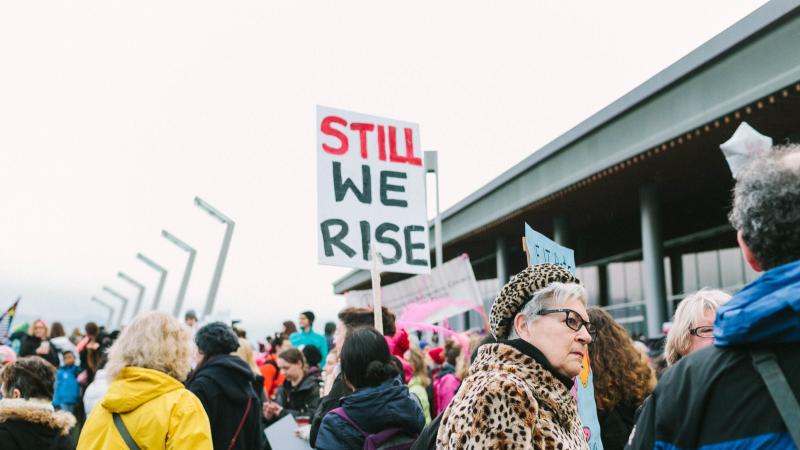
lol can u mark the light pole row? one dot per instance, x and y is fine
(212, 292)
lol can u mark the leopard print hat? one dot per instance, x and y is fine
(519, 290)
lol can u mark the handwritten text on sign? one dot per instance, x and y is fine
(370, 186)
(543, 250)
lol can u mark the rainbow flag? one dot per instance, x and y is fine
(5, 322)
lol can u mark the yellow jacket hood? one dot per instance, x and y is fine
(136, 386)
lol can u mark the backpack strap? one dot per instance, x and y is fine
(241, 423)
(341, 413)
(123, 431)
(767, 366)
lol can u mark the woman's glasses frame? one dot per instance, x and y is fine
(574, 317)
(704, 332)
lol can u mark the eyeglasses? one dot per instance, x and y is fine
(702, 332)
(573, 320)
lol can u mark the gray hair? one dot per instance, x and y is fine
(689, 309)
(552, 296)
(766, 206)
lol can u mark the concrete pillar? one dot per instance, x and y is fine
(676, 278)
(501, 257)
(561, 231)
(604, 299)
(654, 288)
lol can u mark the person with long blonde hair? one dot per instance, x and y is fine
(419, 382)
(146, 398)
(622, 379)
(693, 323)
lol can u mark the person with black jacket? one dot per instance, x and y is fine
(718, 396)
(27, 418)
(37, 344)
(224, 385)
(299, 393)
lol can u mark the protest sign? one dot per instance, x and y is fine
(451, 286)
(281, 435)
(540, 250)
(370, 189)
(583, 390)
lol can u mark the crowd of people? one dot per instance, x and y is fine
(725, 377)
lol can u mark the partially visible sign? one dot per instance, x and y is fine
(543, 250)
(370, 190)
(454, 282)
(281, 434)
(583, 390)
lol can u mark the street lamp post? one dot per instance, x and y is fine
(124, 303)
(186, 273)
(223, 252)
(432, 165)
(159, 269)
(110, 310)
(139, 296)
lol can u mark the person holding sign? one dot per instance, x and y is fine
(517, 392)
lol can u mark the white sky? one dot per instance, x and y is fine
(114, 115)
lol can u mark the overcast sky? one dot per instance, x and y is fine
(114, 115)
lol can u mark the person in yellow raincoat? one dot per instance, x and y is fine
(146, 399)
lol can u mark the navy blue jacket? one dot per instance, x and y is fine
(715, 398)
(374, 409)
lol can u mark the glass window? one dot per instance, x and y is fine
(689, 273)
(708, 269)
(731, 266)
(634, 288)
(616, 283)
(589, 277)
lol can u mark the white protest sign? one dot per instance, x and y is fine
(281, 435)
(543, 250)
(454, 281)
(370, 188)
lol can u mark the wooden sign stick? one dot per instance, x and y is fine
(376, 289)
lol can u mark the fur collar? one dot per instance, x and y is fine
(36, 411)
(548, 390)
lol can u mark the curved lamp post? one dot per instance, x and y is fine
(107, 306)
(139, 286)
(186, 273)
(124, 303)
(159, 269)
(223, 252)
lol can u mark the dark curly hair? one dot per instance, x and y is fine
(766, 206)
(621, 375)
(354, 317)
(216, 338)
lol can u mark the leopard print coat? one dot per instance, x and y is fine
(510, 401)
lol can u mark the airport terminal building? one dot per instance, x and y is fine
(641, 190)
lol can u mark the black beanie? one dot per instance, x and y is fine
(216, 338)
(309, 315)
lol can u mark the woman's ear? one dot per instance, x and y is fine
(521, 326)
(16, 393)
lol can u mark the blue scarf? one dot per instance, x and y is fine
(766, 311)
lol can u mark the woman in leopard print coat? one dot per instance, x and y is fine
(517, 392)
